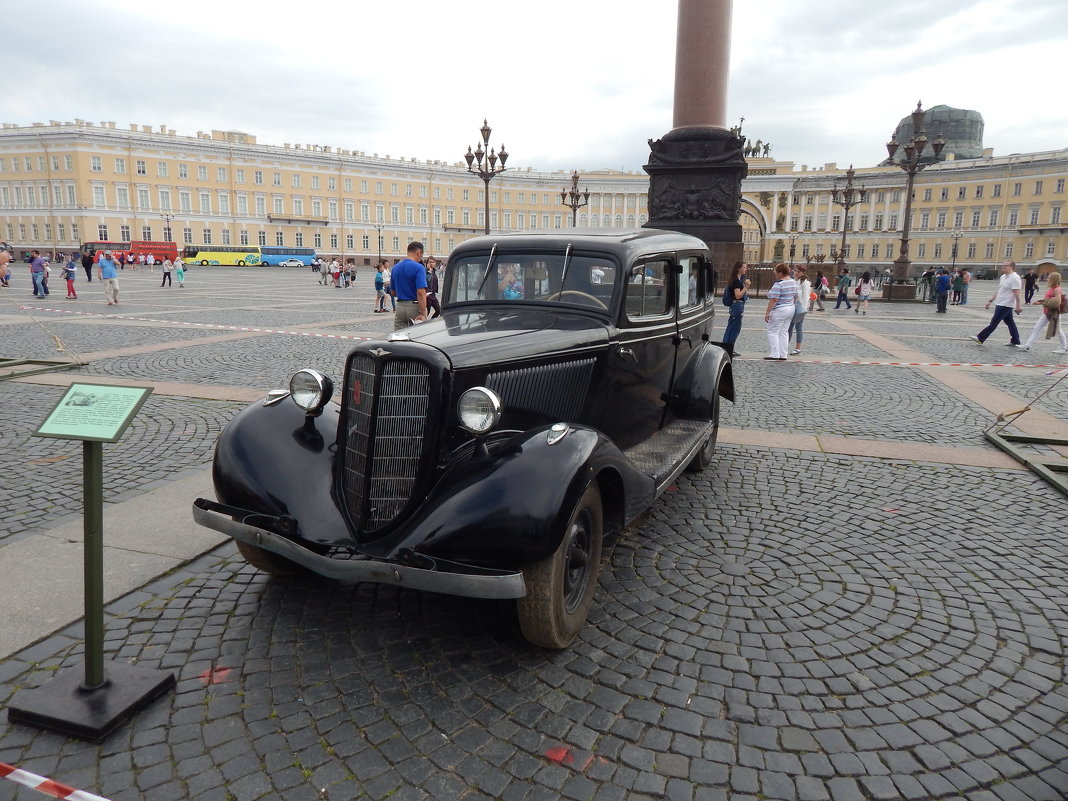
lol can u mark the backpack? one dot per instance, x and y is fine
(728, 295)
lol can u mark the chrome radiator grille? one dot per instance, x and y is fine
(386, 410)
(556, 391)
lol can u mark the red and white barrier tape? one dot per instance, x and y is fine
(46, 786)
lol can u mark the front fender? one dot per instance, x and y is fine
(277, 460)
(707, 373)
(511, 508)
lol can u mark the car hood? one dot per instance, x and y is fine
(473, 337)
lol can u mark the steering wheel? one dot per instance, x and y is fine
(595, 302)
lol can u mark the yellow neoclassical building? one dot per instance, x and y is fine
(64, 183)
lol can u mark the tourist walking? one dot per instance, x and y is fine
(380, 289)
(432, 287)
(167, 266)
(1030, 282)
(780, 311)
(107, 270)
(843, 285)
(179, 271)
(1006, 300)
(1052, 309)
(70, 271)
(409, 282)
(37, 273)
(387, 280)
(821, 288)
(966, 279)
(864, 290)
(800, 309)
(958, 287)
(87, 265)
(735, 294)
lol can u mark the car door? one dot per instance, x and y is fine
(642, 362)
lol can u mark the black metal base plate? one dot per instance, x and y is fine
(62, 705)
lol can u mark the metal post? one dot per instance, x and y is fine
(486, 170)
(93, 489)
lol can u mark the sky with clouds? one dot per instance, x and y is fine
(564, 83)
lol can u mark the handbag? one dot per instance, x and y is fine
(857, 290)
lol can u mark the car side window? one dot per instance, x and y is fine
(648, 288)
(692, 282)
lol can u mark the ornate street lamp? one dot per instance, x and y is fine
(847, 197)
(573, 198)
(793, 246)
(378, 229)
(955, 236)
(167, 226)
(489, 170)
(911, 164)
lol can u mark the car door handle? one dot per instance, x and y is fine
(628, 352)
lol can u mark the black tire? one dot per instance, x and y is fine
(703, 458)
(560, 588)
(203, 262)
(268, 561)
(241, 263)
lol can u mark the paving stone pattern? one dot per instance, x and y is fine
(1032, 384)
(42, 477)
(745, 643)
(862, 401)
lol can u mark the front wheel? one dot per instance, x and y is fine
(203, 262)
(560, 588)
(268, 561)
(241, 263)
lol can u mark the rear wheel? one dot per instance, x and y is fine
(267, 561)
(203, 262)
(703, 458)
(241, 263)
(560, 588)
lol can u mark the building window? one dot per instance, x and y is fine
(226, 236)
(958, 219)
(299, 238)
(101, 232)
(261, 207)
(124, 233)
(61, 232)
(242, 237)
(277, 205)
(1060, 186)
(1050, 248)
(836, 222)
(333, 241)
(940, 221)
(165, 199)
(1029, 250)
(315, 182)
(161, 169)
(1038, 187)
(860, 251)
(396, 243)
(205, 202)
(1034, 216)
(187, 236)
(945, 193)
(94, 164)
(143, 201)
(1008, 250)
(122, 197)
(1014, 218)
(242, 205)
(257, 177)
(938, 250)
(927, 195)
(239, 177)
(220, 173)
(120, 166)
(989, 250)
(893, 221)
(207, 236)
(146, 232)
(925, 220)
(994, 214)
(997, 190)
(98, 197)
(979, 191)
(1055, 215)
(279, 238)
(366, 242)
(68, 165)
(975, 218)
(298, 205)
(971, 250)
(1017, 189)
(142, 167)
(393, 193)
(962, 192)
(276, 179)
(921, 250)
(349, 240)
(296, 180)
(261, 238)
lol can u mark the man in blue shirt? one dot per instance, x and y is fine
(108, 273)
(409, 283)
(37, 270)
(942, 290)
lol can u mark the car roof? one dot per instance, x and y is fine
(625, 245)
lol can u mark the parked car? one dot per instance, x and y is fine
(487, 453)
(291, 263)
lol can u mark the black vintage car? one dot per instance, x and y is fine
(488, 452)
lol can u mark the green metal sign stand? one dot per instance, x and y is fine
(92, 705)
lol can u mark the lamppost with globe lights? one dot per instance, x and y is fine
(167, 226)
(847, 197)
(487, 170)
(573, 198)
(911, 164)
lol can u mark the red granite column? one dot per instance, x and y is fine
(702, 63)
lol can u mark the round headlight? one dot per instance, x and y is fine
(479, 410)
(311, 390)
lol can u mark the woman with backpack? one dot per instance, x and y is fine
(735, 294)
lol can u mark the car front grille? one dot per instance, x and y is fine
(386, 406)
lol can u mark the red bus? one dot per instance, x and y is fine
(159, 250)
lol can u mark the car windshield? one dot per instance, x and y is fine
(580, 279)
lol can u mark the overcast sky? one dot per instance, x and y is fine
(564, 83)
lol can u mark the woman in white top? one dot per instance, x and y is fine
(866, 287)
(800, 308)
(782, 297)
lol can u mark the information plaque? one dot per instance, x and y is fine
(93, 412)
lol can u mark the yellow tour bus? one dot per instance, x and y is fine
(229, 255)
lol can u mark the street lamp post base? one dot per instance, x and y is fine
(899, 291)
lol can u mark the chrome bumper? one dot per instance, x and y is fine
(479, 583)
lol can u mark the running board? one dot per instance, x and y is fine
(667, 453)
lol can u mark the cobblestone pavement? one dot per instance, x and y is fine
(787, 625)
